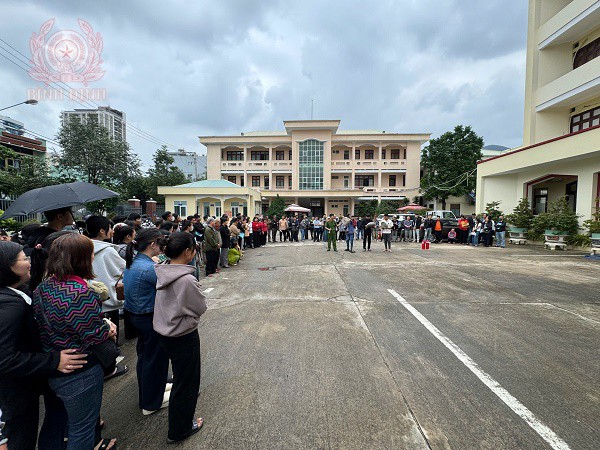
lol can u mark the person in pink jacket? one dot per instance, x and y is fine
(178, 306)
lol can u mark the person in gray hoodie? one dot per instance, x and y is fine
(108, 268)
(177, 309)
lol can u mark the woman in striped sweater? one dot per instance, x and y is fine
(69, 315)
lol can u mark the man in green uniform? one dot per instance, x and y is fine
(331, 233)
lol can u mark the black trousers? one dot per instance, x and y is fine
(21, 411)
(212, 259)
(367, 239)
(274, 235)
(152, 364)
(184, 353)
(256, 237)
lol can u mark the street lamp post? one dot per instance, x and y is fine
(26, 102)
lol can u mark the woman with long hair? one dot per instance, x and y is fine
(69, 316)
(39, 257)
(177, 310)
(24, 367)
(139, 279)
(122, 236)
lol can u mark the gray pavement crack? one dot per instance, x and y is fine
(385, 361)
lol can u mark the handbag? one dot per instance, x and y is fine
(120, 288)
(106, 352)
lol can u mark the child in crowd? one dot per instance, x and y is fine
(452, 236)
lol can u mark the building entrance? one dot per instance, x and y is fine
(316, 205)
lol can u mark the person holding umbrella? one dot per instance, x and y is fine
(57, 220)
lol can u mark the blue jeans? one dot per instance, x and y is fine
(82, 396)
(501, 239)
(350, 241)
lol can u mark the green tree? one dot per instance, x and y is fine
(366, 208)
(493, 211)
(387, 207)
(277, 207)
(449, 163)
(163, 173)
(89, 154)
(522, 215)
(32, 173)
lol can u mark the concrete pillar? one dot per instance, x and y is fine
(351, 206)
(134, 202)
(353, 151)
(379, 178)
(380, 147)
(353, 181)
(151, 208)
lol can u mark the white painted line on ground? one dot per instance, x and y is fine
(206, 291)
(521, 410)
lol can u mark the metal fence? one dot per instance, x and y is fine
(6, 202)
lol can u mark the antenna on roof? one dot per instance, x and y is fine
(312, 105)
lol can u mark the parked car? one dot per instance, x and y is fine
(442, 214)
(447, 224)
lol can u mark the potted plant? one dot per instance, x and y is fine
(557, 224)
(520, 222)
(593, 227)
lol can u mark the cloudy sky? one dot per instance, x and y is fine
(182, 69)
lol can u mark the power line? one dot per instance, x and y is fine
(86, 102)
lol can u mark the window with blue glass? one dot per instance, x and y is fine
(311, 165)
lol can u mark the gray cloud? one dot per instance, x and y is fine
(183, 69)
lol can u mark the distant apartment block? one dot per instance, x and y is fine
(111, 119)
(191, 164)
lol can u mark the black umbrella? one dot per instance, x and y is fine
(55, 197)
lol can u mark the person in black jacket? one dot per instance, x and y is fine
(24, 368)
(226, 240)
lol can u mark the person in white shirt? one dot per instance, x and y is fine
(386, 232)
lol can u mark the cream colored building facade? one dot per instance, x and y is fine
(314, 164)
(211, 198)
(560, 156)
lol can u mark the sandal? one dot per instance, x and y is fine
(119, 370)
(196, 426)
(106, 444)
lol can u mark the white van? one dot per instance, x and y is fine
(442, 214)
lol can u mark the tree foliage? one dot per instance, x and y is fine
(493, 211)
(449, 163)
(366, 208)
(163, 173)
(89, 154)
(32, 173)
(277, 207)
(522, 215)
(387, 207)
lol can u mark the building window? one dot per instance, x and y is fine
(242, 177)
(346, 181)
(586, 53)
(180, 207)
(280, 182)
(290, 181)
(403, 180)
(235, 208)
(395, 153)
(369, 153)
(364, 180)
(346, 154)
(290, 154)
(540, 200)
(266, 182)
(218, 211)
(232, 179)
(259, 155)
(280, 155)
(383, 153)
(392, 180)
(585, 120)
(357, 153)
(255, 181)
(235, 156)
(311, 165)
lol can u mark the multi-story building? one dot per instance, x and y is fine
(12, 126)
(314, 164)
(191, 164)
(111, 119)
(560, 156)
(12, 136)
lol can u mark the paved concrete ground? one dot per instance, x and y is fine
(315, 352)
